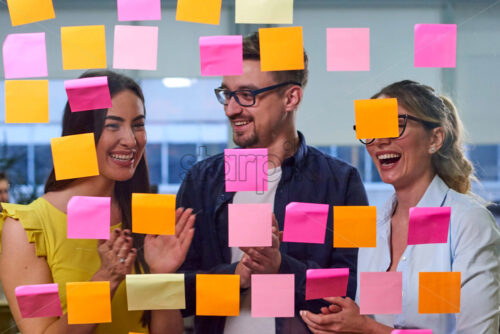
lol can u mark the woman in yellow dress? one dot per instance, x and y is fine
(35, 249)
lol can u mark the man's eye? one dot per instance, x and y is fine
(245, 95)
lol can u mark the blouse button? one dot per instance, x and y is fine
(403, 258)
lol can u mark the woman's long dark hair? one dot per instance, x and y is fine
(93, 121)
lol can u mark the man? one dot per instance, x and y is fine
(262, 108)
(4, 188)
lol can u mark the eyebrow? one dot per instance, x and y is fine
(249, 87)
(120, 119)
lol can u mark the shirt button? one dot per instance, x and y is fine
(403, 258)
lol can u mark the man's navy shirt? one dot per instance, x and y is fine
(308, 176)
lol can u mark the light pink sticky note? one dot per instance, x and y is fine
(89, 217)
(412, 331)
(273, 296)
(40, 300)
(321, 283)
(250, 225)
(429, 225)
(435, 45)
(135, 47)
(348, 49)
(246, 169)
(305, 222)
(25, 56)
(221, 55)
(381, 292)
(138, 10)
(88, 93)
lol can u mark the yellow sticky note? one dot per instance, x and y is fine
(218, 295)
(264, 11)
(199, 11)
(354, 226)
(153, 213)
(26, 101)
(88, 302)
(29, 11)
(281, 49)
(376, 118)
(155, 292)
(83, 47)
(74, 156)
(439, 292)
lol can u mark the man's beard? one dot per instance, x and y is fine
(249, 141)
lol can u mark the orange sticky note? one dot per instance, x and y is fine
(439, 292)
(281, 49)
(153, 213)
(218, 295)
(376, 118)
(199, 11)
(26, 101)
(88, 302)
(354, 226)
(83, 47)
(29, 11)
(74, 156)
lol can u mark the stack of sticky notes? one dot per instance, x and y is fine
(40, 300)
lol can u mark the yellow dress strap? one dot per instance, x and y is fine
(30, 221)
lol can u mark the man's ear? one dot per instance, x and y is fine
(293, 97)
(437, 138)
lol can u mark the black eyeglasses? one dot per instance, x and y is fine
(402, 120)
(246, 97)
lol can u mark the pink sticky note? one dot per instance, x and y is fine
(435, 45)
(348, 49)
(246, 169)
(138, 10)
(250, 225)
(381, 292)
(135, 48)
(41, 300)
(429, 225)
(25, 56)
(221, 55)
(88, 93)
(321, 283)
(89, 217)
(273, 296)
(305, 222)
(412, 331)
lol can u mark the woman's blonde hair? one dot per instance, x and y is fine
(449, 162)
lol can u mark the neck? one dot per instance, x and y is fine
(409, 195)
(97, 186)
(283, 146)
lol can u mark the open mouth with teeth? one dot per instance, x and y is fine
(241, 123)
(388, 159)
(123, 157)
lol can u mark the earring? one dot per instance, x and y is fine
(432, 150)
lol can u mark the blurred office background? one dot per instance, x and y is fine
(185, 123)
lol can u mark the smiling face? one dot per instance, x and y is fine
(404, 160)
(123, 138)
(260, 124)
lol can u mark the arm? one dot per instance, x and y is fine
(475, 244)
(19, 265)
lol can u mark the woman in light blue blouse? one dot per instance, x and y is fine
(427, 168)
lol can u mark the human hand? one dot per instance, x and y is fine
(166, 253)
(264, 260)
(347, 319)
(117, 257)
(244, 272)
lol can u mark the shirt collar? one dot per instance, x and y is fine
(300, 155)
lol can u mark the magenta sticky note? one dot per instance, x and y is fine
(348, 49)
(89, 217)
(428, 225)
(221, 55)
(135, 47)
(246, 169)
(305, 222)
(88, 93)
(331, 282)
(412, 331)
(250, 225)
(40, 300)
(380, 292)
(273, 296)
(25, 56)
(138, 10)
(435, 45)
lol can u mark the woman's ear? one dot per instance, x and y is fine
(437, 139)
(293, 97)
